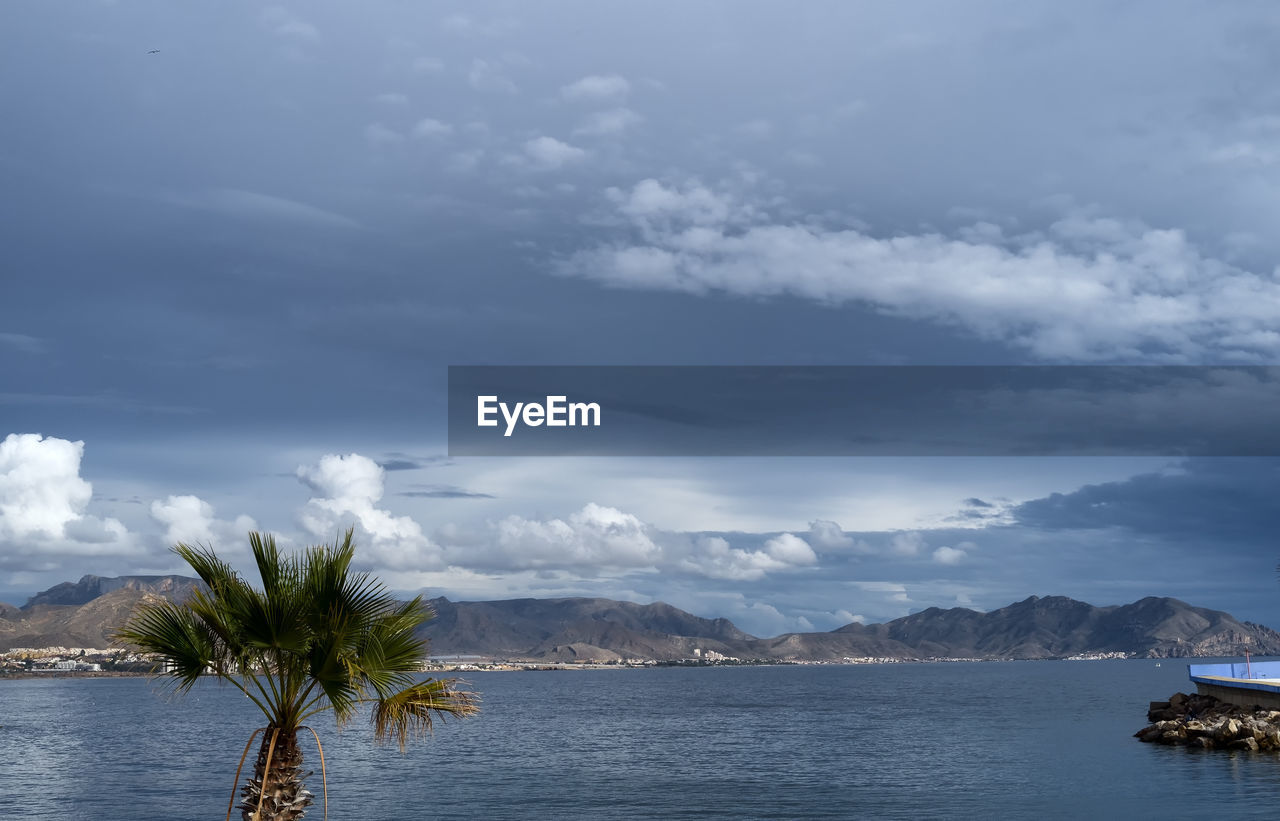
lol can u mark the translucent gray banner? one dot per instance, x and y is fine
(864, 411)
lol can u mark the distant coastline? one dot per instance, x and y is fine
(60, 627)
(14, 675)
(541, 666)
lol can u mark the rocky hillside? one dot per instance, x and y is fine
(1055, 626)
(84, 613)
(69, 625)
(566, 629)
(91, 587)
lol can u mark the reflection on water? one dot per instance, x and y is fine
(1023, 739)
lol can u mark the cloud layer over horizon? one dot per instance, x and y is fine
(815, 578)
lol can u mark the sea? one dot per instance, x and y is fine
(1031, 739)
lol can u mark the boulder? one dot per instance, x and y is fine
(1244, 744)
(1148, 734)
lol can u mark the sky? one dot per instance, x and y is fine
(236, 270)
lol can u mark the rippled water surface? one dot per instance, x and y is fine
(1021, 739)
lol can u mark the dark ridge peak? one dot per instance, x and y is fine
(1160, 604)
(1044, 603)
(91, 587)
(936, 613)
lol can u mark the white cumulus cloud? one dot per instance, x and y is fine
(550, 153)
(846, 617)
(191, 520)
(906, 544)
(658, 209)
(40, 486)
(596, 87)
(714, 557)
(348, 490)
(1086, 288)
(949, 555)
(790, 549)
(44, 501)
(429, 127)
(596, 537)
(829, 535)
(607, 123)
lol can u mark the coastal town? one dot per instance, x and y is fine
(90, 662)
(72, 660)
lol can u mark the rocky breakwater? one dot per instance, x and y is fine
(1205, 722)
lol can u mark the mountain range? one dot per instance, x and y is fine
(84, 613)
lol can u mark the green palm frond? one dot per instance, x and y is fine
(411, 712)
(186, 646)
(273, 572)
(215, 573)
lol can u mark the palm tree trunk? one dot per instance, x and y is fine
(286, 799)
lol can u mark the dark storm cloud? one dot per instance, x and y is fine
(971, 516)
(445, 492)
(103, 402)
(249, 210)
(1211, 502)
(399, 464)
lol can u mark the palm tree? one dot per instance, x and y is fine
(316, 637)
